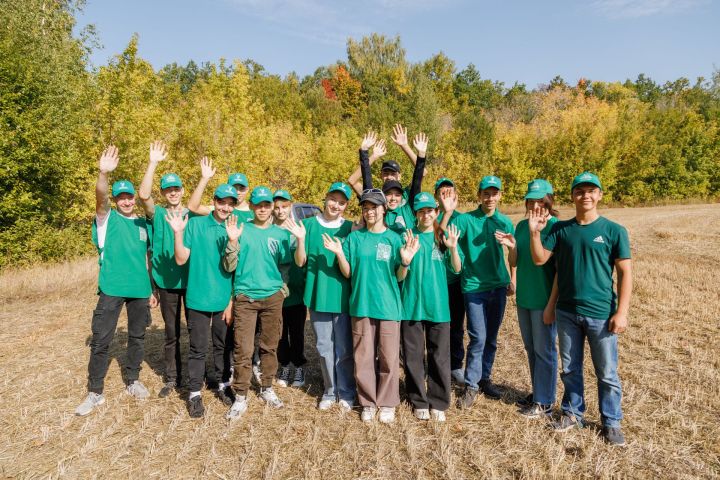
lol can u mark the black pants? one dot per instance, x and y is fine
(457, 326)
(171, 303)
(417, 337)
(104, 322)
(292, 342)
(200, 326)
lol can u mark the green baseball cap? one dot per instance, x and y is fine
(490, 181)
(443, 181)
(170, 180)
(238, 179)
(341, 187)
(226, 191)
(282, 194)
(260, 194)
(537, 189)
(424, 200)
(586, 177)
(122, 186)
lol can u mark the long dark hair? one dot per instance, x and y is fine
(548, 202)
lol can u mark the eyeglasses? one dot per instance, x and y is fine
(372, 190)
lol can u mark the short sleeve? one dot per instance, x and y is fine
(188, 236)
(286, 249)
(550, 241)
(347, 250)
(459, 222)
(621, 248)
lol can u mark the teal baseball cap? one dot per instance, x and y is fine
(443, 181)
(424, 200)
(260, 194)
(341, 187)
(490, 181)
(122, 186)
(226, 191)
(170, 180)
(586, 177)
(282, 194)
(537, 189)
(238, 179)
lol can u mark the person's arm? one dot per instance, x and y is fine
(448, 204)
(549, 311)
(363, 171)
(227, 315)
(536, 222)
(407, 253)
(399, 137)
(619, 321)
(207, 172)
(158, 153)
(154, 299)
(335, 246)
(451, 242)
(108, 162)
(298, 230)
(508, 240)
(178, 223)
(230, 257)
(420, 142)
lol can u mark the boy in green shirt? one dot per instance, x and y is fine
(586, 249)
(122, 240)
(237, 180)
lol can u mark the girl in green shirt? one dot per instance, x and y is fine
(426, 325)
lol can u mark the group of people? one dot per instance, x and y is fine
(405, 280)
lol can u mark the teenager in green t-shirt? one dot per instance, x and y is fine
(200, 242)
(255, 252)
(375, 260)
(485, 284)
(535, 298)
(426, 322)
(121, 238)
(327, 293)
(169, 277)
(586, 249)
(237, 180)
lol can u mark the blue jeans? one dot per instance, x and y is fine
(485, 312)
(539, 340)
(334, 345)
(572, 331)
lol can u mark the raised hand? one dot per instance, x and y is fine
(379, 150)
(158, 152)
(448, 200)
(505, 239)
(109, 159)
(233, 230)
(176, 220)
(420, 142)
(399, 135)
(368, 141)
(333, 244)
(538, 218)
(297, 229)
(451, 239)
(206, 168)
(411, 247)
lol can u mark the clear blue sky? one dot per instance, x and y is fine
(529, 41)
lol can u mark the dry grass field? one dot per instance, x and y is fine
(670, 368)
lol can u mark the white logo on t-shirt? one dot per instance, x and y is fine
(437, 254)
(383, 252)
(273, 245)
(598, 239)
(143, 234)
(400, 220)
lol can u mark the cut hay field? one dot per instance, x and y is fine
(669, 365)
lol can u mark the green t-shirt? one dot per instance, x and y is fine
(374, 259)
(296, 281)
(165, 270)
(400, 219)
(244, 215)
(585, 258)
(123, 256)
(484, 266)
(424, 292)
(209, 286)
(326, 289)
(262, 251)
(534, 283)
(452, 276)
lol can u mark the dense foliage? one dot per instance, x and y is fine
(647, 141)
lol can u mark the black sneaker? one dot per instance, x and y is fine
(167, 389)
(536, 410)
(490, 390)
(614, 436)
(195, 407)
(567, 421)
(525, 401)
(467, 398)
(226, 396)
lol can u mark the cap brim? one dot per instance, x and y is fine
(535, 195)
(594, 184)
(339, 190)
(424, 205)
(375, 201)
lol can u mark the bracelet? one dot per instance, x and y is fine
(406, 266)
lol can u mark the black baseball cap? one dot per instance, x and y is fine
(390, 184)
(391, 165)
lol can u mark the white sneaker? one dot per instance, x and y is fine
(299, 377)
(283, 377)
(368, 414)
(137, 390)
(387, 415)
(88, 405)
(239, 407)
(269, 397)
(437, 415)
(345, 406)
(421, 413)
(326, 404)
(257, 374)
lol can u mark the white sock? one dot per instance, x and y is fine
(194, 394)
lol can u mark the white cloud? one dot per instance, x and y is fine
(643, 8)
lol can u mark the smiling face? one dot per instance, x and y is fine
(426, 217)
(586, 197)
(125, 203)
(372, 213)
(394, 198)
(242, 192)
(262, 211)
(388, 174)
(223, 208)
(173, 195)
(335, 205)
(489, 198)
(281, 210)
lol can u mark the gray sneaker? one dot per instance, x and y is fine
(167, 389)
(614, 436)
(269, 397)
(137, 390)
(567, 421)
(88, 405)
(239, 407)
(299, 377)
(536, 410)
(467, 398)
